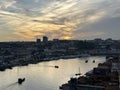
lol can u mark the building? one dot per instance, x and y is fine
(45, 39)
(38, 40)
(73, 85)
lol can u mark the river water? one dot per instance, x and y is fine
(43, 76)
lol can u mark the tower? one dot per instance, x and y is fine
(38, 40)
(45, 39)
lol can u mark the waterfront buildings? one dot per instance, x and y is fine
(12, 53)
(104, 77)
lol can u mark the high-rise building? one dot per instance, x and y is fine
(38, 40)
(45, 39)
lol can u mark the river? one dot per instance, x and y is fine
(43, 76)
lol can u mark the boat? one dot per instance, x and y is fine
(93, 61)
(78, 74)
(86, 61)
(21, 80)
(56, 66)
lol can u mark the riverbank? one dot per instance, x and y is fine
(104, 77)
(33, 60)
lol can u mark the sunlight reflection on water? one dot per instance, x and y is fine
(43, 76)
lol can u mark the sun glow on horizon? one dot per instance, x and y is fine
(63, 19)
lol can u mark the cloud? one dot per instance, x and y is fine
(6, 4)
(64, 19)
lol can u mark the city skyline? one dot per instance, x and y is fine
(64, 19)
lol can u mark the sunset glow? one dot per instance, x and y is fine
(63, 19)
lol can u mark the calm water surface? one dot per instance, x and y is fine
(43, 76)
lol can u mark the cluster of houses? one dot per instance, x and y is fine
(104, 77)
(23, 53)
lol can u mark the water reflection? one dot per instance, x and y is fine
(44, 76)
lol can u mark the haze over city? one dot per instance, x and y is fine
(63, 19)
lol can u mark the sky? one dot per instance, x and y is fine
(22, 20)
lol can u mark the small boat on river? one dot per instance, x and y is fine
(21, 80)
(56, 66)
